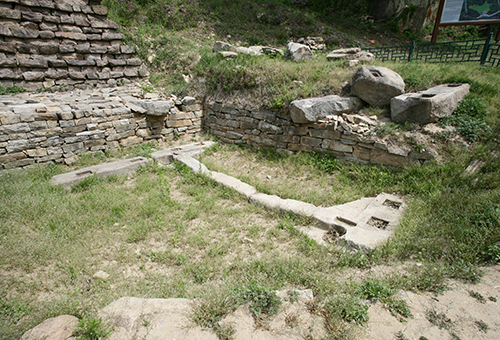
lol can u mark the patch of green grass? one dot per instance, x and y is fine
(346, 307)
(483, 326)
(91, 329)
(477, 296)
(263, 302)
(11, 90)
(438, 319)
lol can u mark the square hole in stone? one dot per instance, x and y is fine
(378, 223)
(392, 204)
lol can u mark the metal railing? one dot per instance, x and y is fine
(478, 50)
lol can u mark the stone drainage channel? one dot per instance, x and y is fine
(361, 224)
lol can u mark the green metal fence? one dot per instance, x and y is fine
(479, 50)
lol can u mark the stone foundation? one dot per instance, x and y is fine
(261, 128)
(54, 128)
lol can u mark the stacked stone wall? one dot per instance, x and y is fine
(261, 128)
(66, 43)
(55, 128)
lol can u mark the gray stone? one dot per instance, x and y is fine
(125, 166)
(350, 54)
(112, 36)
(188, 100)
(271, 51)
(376, 85)
(310, 110)
(223, 46)
(158, 108)
(228, 54)
(297, 52)
(33, 76)
(255, 50)
(428, 106)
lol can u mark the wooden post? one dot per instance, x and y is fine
(438, 21)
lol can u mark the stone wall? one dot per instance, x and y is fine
(64, 43)
(262, 128)
(55, 127)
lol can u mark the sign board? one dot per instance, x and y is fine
(470, 11)
(467, 12)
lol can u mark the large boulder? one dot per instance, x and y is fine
(376, 85)
(428, 106)
(297, 52)
(310, 110)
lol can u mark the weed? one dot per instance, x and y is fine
(483, 327)
(291, 320)
(400, 336)
(378, 290)
(11, 90)
(439, 319)
(346, 307)
(469, 119)
(492, 298)
(477, 296)
(262, 301)
(91, 329)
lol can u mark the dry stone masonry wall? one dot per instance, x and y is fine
(56, 127)
(347, 137)
(65, 43)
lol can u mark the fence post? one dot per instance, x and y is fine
(486, 48)
(412, 48)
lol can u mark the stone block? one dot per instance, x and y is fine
(33, 76)
(340, 147)
(83, 48)
(295, 52)
(80, 19)
(52, 18)
(330, 134)
(100, 9)
(112, 36)
(310, 142)
(428, 106)
(269, 128)
(4, 30)
(47, 34)
(10, 13)
(32, 16)
(56, 74)
(10, 62)
(376, 85)
(312, 109)
(48, 48)
(9, 47)
(71, 35)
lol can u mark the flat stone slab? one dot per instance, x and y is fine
(310, 110)
(124, 166)
(428, 106)
(194, 150)
(185, 154)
